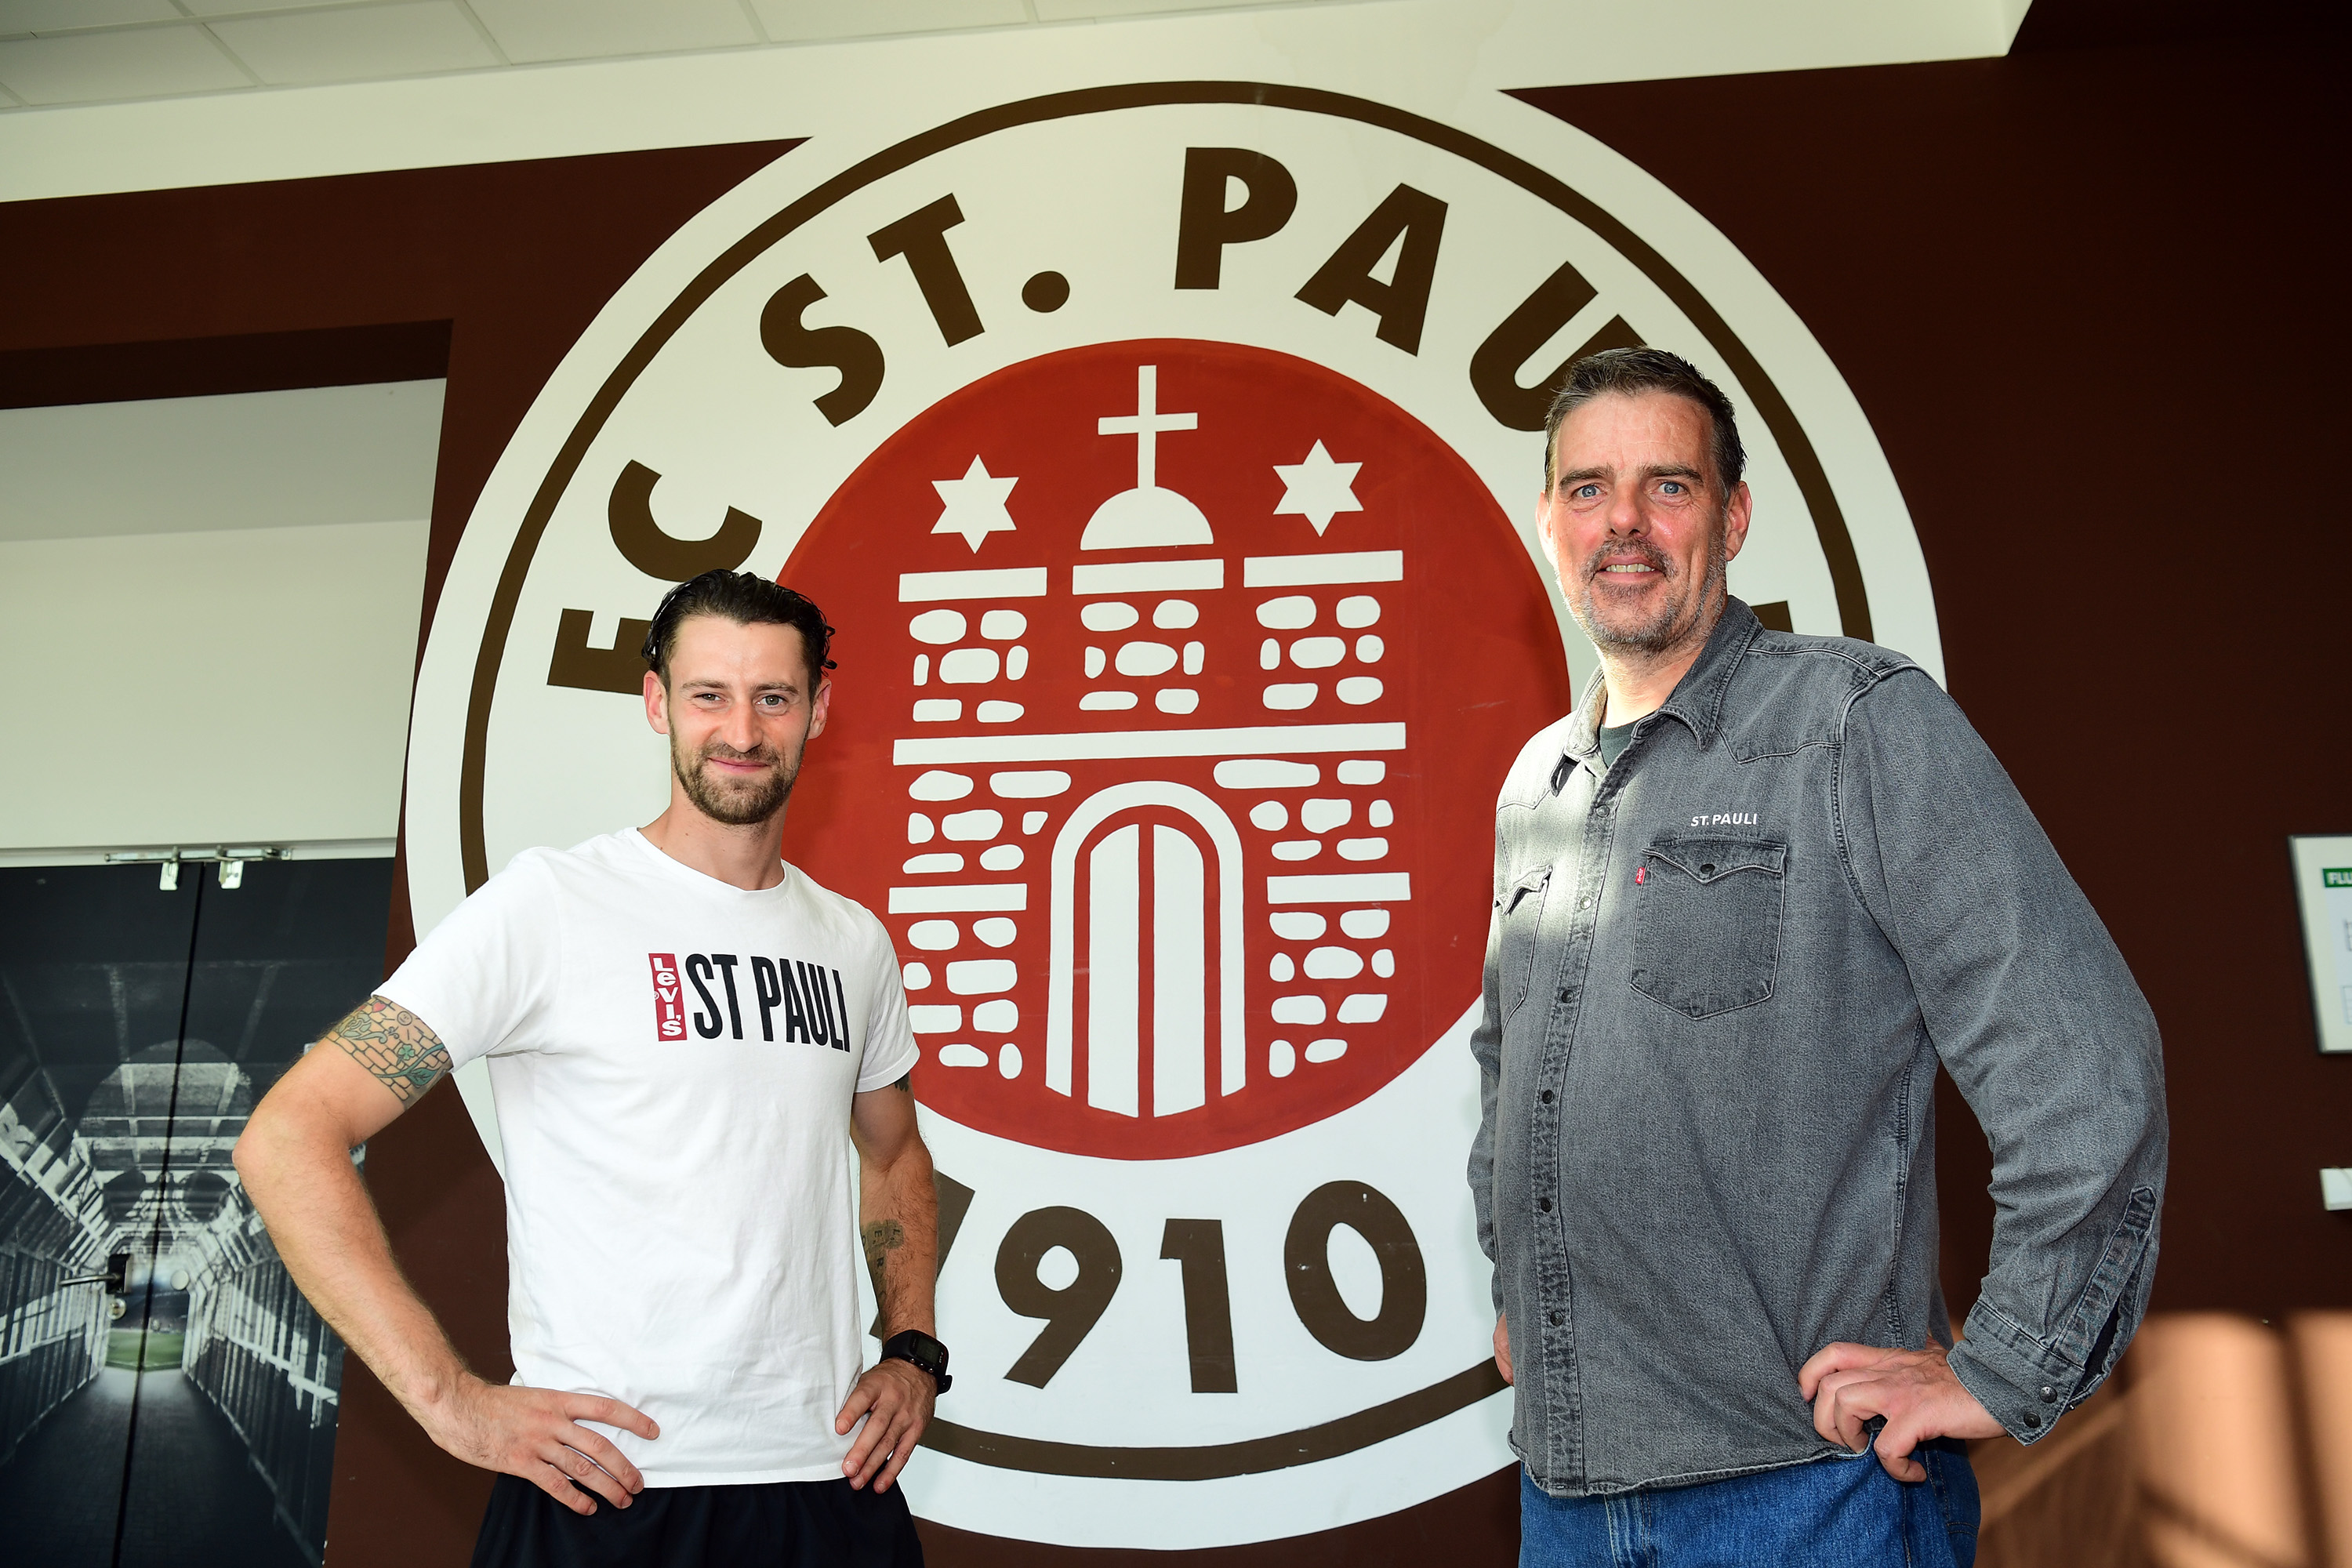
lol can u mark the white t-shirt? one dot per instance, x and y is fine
(673, 1060)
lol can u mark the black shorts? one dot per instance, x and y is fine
(788, 1525)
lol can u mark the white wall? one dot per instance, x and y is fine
(255, 459)
(175, 682)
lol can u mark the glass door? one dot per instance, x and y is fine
(177, 1397)
(93, 977)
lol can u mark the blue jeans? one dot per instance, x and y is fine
(1831, 1514)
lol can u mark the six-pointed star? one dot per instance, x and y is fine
(975, 506)
(1318, 488)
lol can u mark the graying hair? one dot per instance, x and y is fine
(1627, 372)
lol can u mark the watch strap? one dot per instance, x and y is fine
(921, 1349)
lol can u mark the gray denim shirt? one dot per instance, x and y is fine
(1719, 978)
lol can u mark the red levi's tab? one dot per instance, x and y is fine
(669, 1013)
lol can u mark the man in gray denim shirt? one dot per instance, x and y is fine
(1747, 897)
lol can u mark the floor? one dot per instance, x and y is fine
(195, 1500)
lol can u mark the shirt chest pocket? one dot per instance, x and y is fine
(1707, 928)
(1518, 912)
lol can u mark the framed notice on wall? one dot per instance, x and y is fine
(2323, 886)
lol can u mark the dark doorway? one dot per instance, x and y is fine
(166, 1395)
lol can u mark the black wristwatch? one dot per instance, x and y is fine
(926, 1353)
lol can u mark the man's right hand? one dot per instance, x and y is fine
(1503, 1348)
(535, 1433)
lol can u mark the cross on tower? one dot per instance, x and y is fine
(1145, 425)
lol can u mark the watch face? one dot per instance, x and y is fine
(927, 1352)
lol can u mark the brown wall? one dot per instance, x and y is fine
(2028, 270)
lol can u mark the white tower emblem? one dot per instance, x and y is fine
(1190, 761)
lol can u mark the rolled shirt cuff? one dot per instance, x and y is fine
(2019, 1382)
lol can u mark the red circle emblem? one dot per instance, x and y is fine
(1194, 669)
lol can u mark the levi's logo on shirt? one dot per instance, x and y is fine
(669, 1013)
(805, 1001)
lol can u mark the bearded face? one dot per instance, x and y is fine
(1639, 524)
(729, 795)
(739, 711)
(1669, 597)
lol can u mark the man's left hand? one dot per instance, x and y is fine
(895, 1399)
(1915, 1391)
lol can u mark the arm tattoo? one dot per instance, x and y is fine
(883, 1237)
(393, 1044)
(907, 1083)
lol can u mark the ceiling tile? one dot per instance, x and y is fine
(356, 45)
(1075, 10)
(584, 29)
(791, 21)
(57, 15)
(240, 7)
(139, 62)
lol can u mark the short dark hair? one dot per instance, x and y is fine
(749, 600)
(1627, 372)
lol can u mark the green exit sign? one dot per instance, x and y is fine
(2336, 877)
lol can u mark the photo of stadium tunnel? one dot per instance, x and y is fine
(165, 1393)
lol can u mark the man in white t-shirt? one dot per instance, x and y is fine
(701, 1059)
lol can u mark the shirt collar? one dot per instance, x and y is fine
(1584, 734)
(1697, 699)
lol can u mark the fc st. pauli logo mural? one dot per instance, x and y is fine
(1167, 459)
